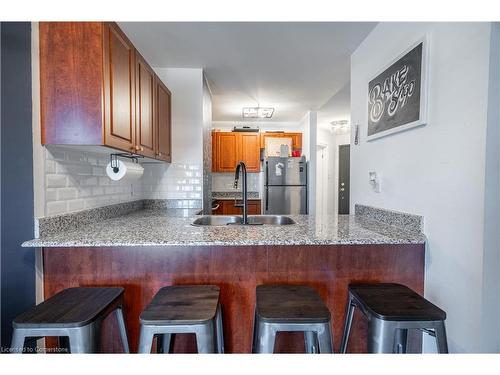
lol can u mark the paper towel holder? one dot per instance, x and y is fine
(113, 158)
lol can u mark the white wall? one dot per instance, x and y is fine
(207, 148)
(309, 128)
(438, 170)
(183, 178)
(186, 86)
(491, 258)
(326, 137)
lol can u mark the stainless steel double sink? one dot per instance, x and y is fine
(220, 220)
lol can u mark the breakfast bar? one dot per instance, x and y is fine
(145, 249)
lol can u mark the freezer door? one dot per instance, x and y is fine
(285, 171)
(285, 200)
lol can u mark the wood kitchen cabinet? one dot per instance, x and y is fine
(229, 148)
(96, 89)
(163, 111)
(226, 207)
(296, 138)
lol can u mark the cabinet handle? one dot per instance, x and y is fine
(137, 148)
(142, 148)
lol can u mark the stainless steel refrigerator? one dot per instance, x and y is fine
(285, 186)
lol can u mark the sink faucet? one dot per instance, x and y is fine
(241, 166)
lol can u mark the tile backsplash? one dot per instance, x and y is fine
(173, 181)
(75, 180)
(225, 182)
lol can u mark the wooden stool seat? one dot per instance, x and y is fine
(75, 314)
(290, 303)
(395, 302)
(183, 309)
(392, 310)
(291, 308)
(73, 307)
(182, 304)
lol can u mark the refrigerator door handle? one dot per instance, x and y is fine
(267, 173)
(267, 200)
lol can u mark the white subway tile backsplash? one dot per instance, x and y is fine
(67, 193)
(76, 180)
(76, 205)
(54, 180)
(55, 208)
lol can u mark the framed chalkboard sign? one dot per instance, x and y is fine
(397, 97)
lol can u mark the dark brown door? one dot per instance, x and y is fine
(119, 90)
(163, 106)
(226, 151)
(249, 151)
(145, 127)
(344, 177)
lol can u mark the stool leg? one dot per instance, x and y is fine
(220, 330)
(325, 339)
(17, 344)
(123, 329)
(145, 339)
(81, 339)
(401, 340)
(380, 336)
(205, 337)
(254, 334)
(347, 325)
(63, 343)
(266, 335)
(311, 342)
(441, 341)
(163, 343)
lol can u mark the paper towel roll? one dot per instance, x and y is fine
(127, 171)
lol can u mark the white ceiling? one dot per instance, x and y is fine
(294, 67)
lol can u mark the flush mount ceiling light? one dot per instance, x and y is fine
(257, 112)
(340, 125)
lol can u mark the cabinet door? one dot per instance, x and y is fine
(164, 121)
(229, 209)
(145, 127)
(119, 90)
(254, 207)
(227, 146)
(249, 151)
(296, 139)
(217, 207)
(214, 151)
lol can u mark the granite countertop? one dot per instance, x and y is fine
(172, 227)
(231, 195)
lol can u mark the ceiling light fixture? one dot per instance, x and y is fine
(257, 112)
(340, 125)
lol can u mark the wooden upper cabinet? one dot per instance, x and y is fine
(296, 138)
(229, 148)
(71, 82)
(145, 119)
(163, 106)
(227, 151)
(96, 89)
(119, 90)
(249, 150)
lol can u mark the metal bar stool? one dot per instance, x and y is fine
(291, 308)
(75, 313)
(393, 309)
(183, 309)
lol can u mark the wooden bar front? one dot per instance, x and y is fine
(237, 271)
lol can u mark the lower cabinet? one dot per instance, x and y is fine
(226, 207)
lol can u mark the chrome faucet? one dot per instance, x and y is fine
(241, 166)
